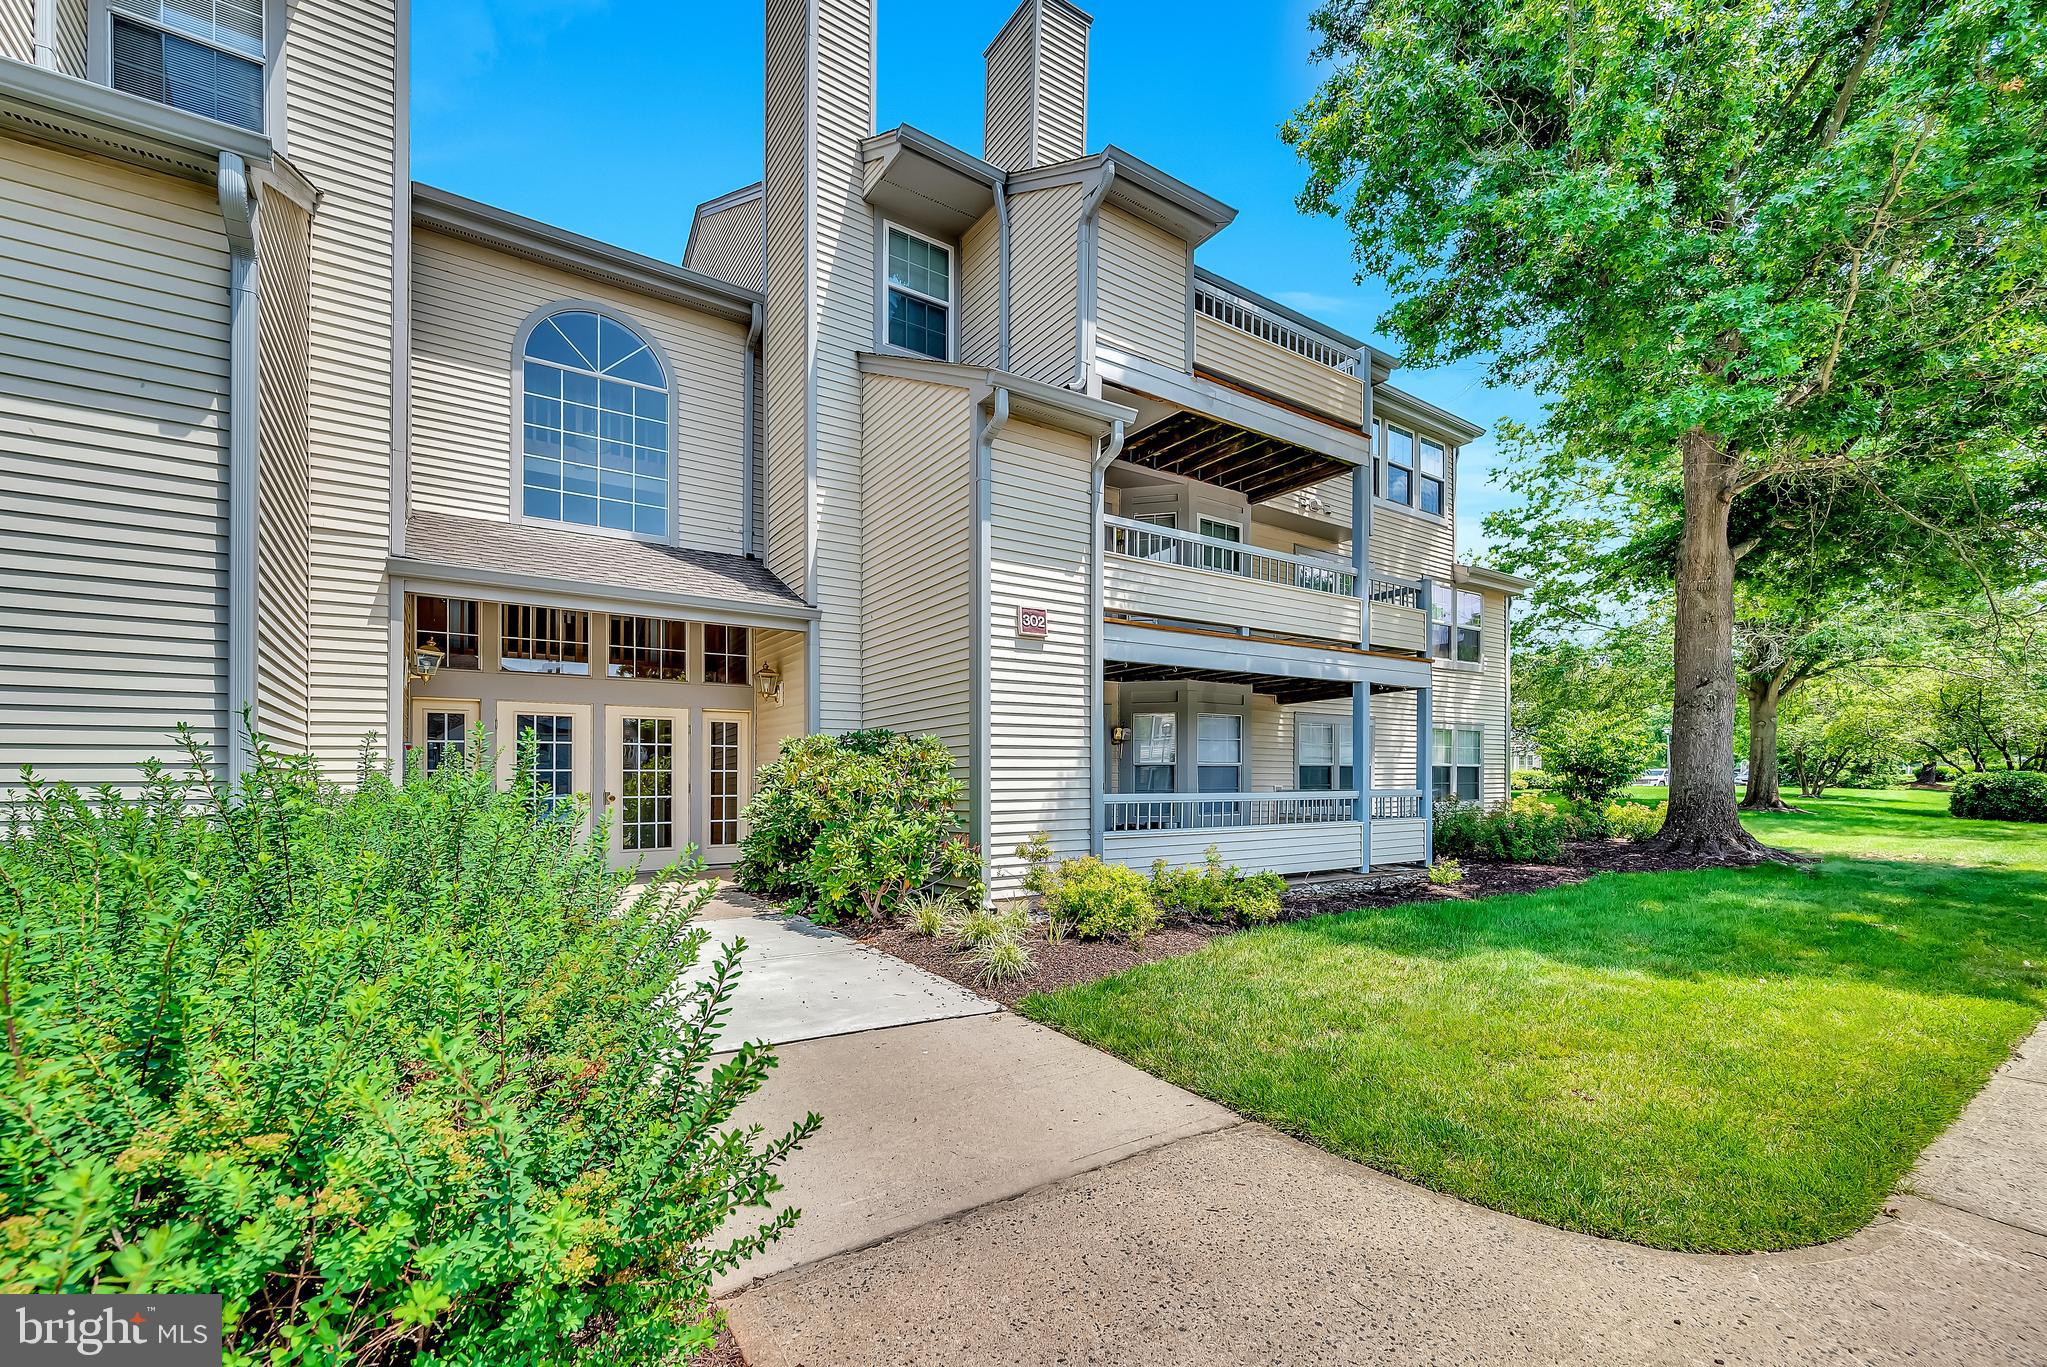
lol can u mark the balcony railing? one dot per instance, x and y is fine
(1396, 804)
(1232, 310)
(1165, 545)
(1124, 812)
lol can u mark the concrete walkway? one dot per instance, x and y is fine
(985, 1191)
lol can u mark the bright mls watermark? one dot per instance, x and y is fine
(162, 1331)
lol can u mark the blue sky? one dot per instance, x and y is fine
(614, 118)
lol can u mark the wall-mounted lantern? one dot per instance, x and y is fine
(426, 662)
(768, 683)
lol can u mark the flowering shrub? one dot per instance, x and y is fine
(849, 825)
(396, 1070)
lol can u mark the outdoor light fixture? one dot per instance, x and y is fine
(1119, 735)
(769, 683)
(426, 661)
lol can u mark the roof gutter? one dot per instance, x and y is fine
(238, 215)
(1098, 751)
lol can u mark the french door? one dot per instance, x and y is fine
(647, 785)
(443, 729)
(560, 739)
(728, 743)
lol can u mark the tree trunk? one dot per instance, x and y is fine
(1703, 823)
(1763, 794)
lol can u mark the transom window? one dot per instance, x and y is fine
(1455, 756)
(648, 648)
(724, 654)
(201, 56)
(596, 427)
(544, 640)
(1322, 754)
(1456, 618)
(450, 625)
(919, 294)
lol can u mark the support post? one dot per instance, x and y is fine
(1361, 764)
(1424, 780)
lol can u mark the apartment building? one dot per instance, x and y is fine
(911, 438)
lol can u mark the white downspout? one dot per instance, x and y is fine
(238, 214)
(980, 663)
(1097, 649)
(45, 55)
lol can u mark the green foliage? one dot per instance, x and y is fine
(974, 926)
(1525, 830)
(1531, 780)
(849, 825)
(928, 913)
(1632, 821)
(1446, 873)
(1218, 892)
(1592, 757)
(1002, 959)
(399, 1071)
(1097, 900)
(2005, 795)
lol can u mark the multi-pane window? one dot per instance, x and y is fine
(1155, 749)
(725, 774)
(445, 734)
(648, 648)
(1456, 756)
(552, 776)
(1219, 752)
(1215, 557)
(544, 640)
(724, 654)
(1399, 466)
(448, 624)
(1322, 754)
(1456, 618)
(646, 817)
(919, 294)
(596, 424)
(1429, 484)
(201, 56)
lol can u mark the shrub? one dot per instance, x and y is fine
(1446, 872)
(973, 926)
(1001, 959)
(1591, 757)
(1218, 892)
(928, 913)
(1632, 821)
(849, 825)
(1523, 830)
(2005, 795)
(1096, 900)
(399, 1071)
(1531, 780)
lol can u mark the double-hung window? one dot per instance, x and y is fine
(1429, 482)
(919, 294)
(1399, 485)
(1455, 755)
(1322, 754)
(1456, 618)
(1155, 749)
(1219, 752)
(201, 56)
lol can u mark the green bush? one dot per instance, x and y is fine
(1531, 780)
(1218, 892)
(1591, 757)
(1446, 873)
(2005, 795)
(848, 825)
(1096, 900)
(1632, 821)
(398, 1071)
(1526, 830)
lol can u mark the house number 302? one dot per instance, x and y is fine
(1033, 622)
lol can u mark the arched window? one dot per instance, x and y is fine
(596, 443)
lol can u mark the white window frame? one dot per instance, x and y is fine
(471, 710)
(1382, 462)
(883, 285)
(726, 854)
(1445, 599)
(582, 738)
(681, 793)
(1137, 717)
(745, 657)
(99, 62)
(1210, 555)
(1243, 743)
(1477, 769)
(1341, 742)
(1422, 477)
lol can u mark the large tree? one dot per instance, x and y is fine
(1734, 242)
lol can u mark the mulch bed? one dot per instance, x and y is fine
(724, 1353)
(1073, 961)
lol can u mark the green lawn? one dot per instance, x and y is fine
(1729, 1060)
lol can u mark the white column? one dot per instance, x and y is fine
(1424, 699)
(1361, 764)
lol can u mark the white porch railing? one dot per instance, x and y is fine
(1232, 310)
(1396, 804)
(1123, 812)
(1169, 546)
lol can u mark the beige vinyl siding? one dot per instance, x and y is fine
(18, 29)
(1044, 283)
(1477, 698)
(341, 63)
(1039, 692)
(728, 244)
(113, 466)
(1006, 140)
(468, 304)
(775, 722)
(1409, 544)
(825, 311)
(283, 688)
(1220, 349)
(1062, 83)
(1393, 745)
(785, 315)
(918, 567)
(1141, 283)
(980, 321)
(71, 22)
